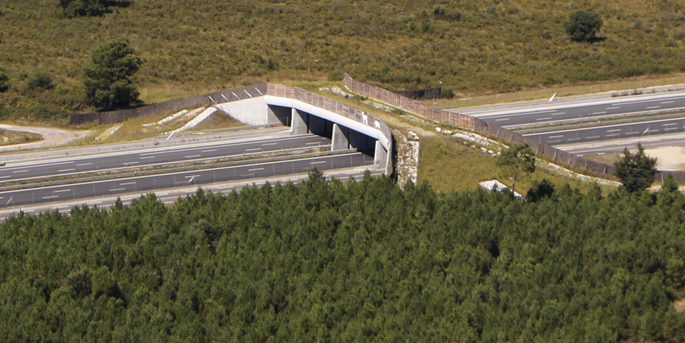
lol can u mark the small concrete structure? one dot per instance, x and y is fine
(496, 185)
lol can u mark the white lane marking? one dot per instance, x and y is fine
(670, 128)
(667, 102)
(129, 163)
(603, 112)
(193, 156)
(503, 119)
(255, 169)
(268, 144)
(162, 194)
(83, 164)
(255, 149)
(168, 202)
(600, 153)
(670, 124)
(613, 135)
(594, 128)
(320, 162)
(613, 108)
(559, 136)
(558, 114)
(127, 183)
(593, 137)
(147, 157)
(4, 177)
(614, 130)
(546, 118)
(117, 189)
(312, 143)
(51, 197)
(573, 139)
(652, 107)
(65, 170)
(63, 190)
(20, 171)
(212, 150)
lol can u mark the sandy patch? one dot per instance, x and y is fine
(51, 137)
(668, 157)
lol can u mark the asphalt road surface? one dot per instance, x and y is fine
(616, 106)
(196, 177)
(628, 130)
(27, 170)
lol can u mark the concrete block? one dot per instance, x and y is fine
(298, 122)
(249, 111)
(340, 141)
(380, 156)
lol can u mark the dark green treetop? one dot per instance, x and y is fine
(583, 26)
(83, 8)
(518, 157)
(107, 75)
(636, 171)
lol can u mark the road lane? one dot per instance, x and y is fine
(628, 130)
(579, 111)
(26, 170)
(188, 178)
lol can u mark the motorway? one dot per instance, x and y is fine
(627, 130)
(170, 180)
(551, 113)
(69, 165)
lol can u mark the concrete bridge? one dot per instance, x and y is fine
(348, 127)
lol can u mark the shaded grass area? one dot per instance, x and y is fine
(218, 120)
(8, 137)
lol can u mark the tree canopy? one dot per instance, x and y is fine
(107, 75)
(363, 261)
(517, 158)
(583, 26)
(83, 8)
(636, 171)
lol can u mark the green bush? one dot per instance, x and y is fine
(41, 80)
(83, 8)
(4, 81)
(583, 26)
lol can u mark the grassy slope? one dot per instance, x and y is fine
(194, 46)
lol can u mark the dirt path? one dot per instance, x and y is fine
(51, 137)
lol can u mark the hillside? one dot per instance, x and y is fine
(361, 262)
(193, 46)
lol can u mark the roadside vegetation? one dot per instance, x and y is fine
(190, 47)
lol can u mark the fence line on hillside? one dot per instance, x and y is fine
(490, 130)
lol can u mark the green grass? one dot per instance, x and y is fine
(447, 165)
(194, 46)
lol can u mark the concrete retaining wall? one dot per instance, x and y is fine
(169, 106)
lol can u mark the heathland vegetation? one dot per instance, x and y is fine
(365, 261)
(471, 47)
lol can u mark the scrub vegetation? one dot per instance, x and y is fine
(357, 262)
(470, 47)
